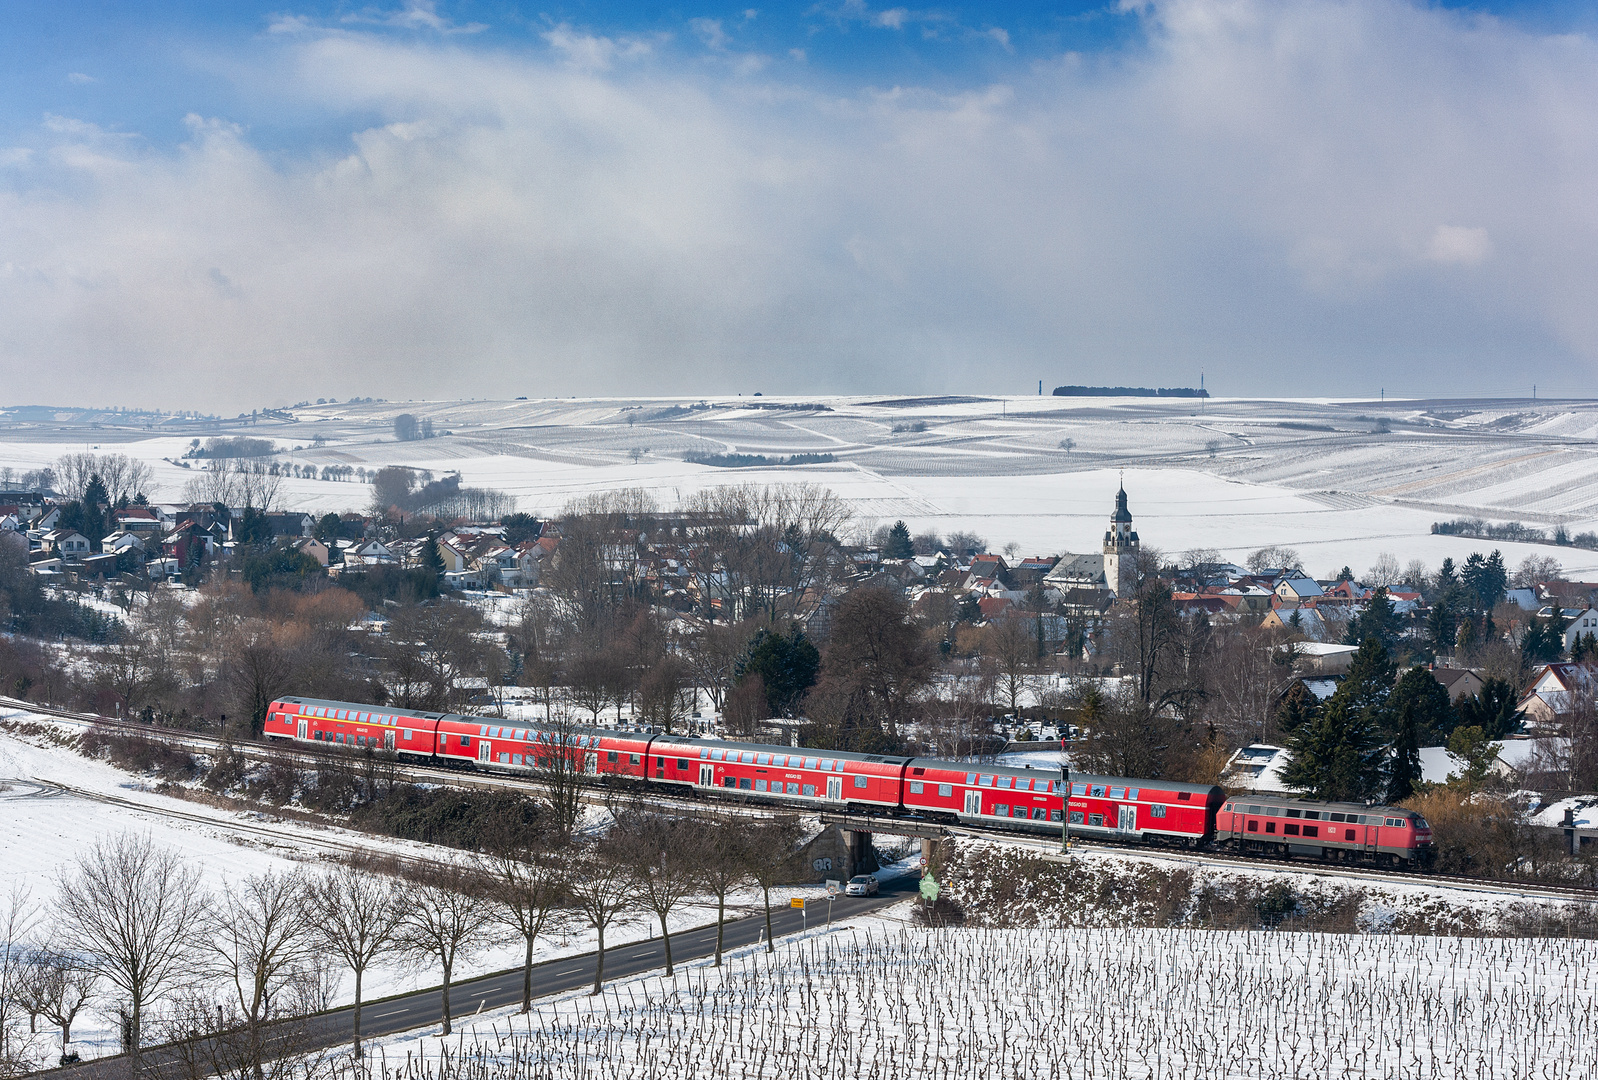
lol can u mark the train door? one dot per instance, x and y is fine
(707, 776)
(1128, 818)
(973, 803)
(835, 788)
(300, 730)
(1370, 839)
(483, 749)
(388, 739)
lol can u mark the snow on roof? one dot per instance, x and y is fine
(1322, 648)
(1258, 768)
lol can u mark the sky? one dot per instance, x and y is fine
(232, 206)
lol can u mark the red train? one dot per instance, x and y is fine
(1107, 807)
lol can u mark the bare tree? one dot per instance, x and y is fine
(1012, 654)
(601, 891)
(768, 849)
(563, 768)
(667, 694)
(133, 912)
(720, 866)
(19, 917)
(58, 987)
(447, 918)
(657, 853)
(355, 915)
(528, 888)
(259, 942)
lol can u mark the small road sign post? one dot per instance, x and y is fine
(833, 888)
(804, 920)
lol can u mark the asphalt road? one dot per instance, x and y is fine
(423, 1009)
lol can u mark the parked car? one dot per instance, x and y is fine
(861, 885)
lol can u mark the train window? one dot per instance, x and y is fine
(746, 759)
(1253, 826)
(1096, 819)
(826, 765)
(985, 781)
(484, 730)
(1290, 828)
(744, 783)
(704, 753)
(1131, 793)
(407, 734)
(1076, 817)
(1157, 810)
(810, 763)
(1054, 815)
(916, 787)
(1275, 811)
(1020, 812)
(761, 785)
(1117, 793)
(718, 755)
(632, 759)
(1185, 796)
(1098, 791)
(763, 759)
(810, 790)
(860, 782)
(729, 781)
(793, 789)
(1334, 817)
(946, 790)
(1079, 789)
(1253, 809)
(1001, 809)
(1294, 812)
(1420, 823)
(1004, 781)
(1039, 814)
(1312, 814)
(466, 740)
(970, 777)
(1312, 830)
(1348, 834)
(1227, 808)
(516, 759)
(918, 772)
(1270, 826)
(682, 763)
(611, 756)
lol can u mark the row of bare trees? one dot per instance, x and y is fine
(228, 977)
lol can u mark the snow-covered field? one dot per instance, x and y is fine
(44, 829)
(877, 999)
(1233, 475)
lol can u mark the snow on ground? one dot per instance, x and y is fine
(876, 997)
(44, 829)
(1227, 474)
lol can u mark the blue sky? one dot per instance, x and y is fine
(204, 201)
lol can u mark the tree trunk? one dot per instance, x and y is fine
(721, 923)
(599, 960)
(358, 973)
(527, 977)
(665, 937)
(445, 997)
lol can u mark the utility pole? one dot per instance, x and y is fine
(1065, 801)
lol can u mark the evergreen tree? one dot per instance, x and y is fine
(1403, 764)
(1433, 715)
(432, 561)
(1345, 574)
(1543, 642)
(787, 665)
(1369, 682)
(1440, 627)
(898, 545)
(1484, 580)
(1378, 621)
(1493, 709)
(1337, 755)
(1298, 706)
(96, 504)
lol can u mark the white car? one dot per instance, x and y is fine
(861, 885)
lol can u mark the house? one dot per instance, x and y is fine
(290, 524)
(1257, 768)
(1308, 621)
(101, 565)
(140, 520)
(1296, 590)
(1325, 658)
(10, 523)
(49, 519)
(313, 547)
(69, 544)
(1460, 683)
(1579, 624)
(122, 540)
(1555, 690)
(369, 553)
(455, 553)
(188, 543)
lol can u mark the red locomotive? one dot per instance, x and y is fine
(1033, 800)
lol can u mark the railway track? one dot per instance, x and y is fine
(1048, 846)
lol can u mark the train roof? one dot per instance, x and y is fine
(1076, 778)
(772, 748)
(329, 703)
(1316, 804)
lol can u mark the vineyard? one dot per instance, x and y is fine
(864, 1004)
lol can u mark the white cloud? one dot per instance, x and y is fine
(1459, 245)
(1258, 190)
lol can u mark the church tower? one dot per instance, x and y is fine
(1120, 549)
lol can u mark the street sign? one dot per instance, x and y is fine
(922, 862)
(930, 888)
(797, 902)
(834, 887)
